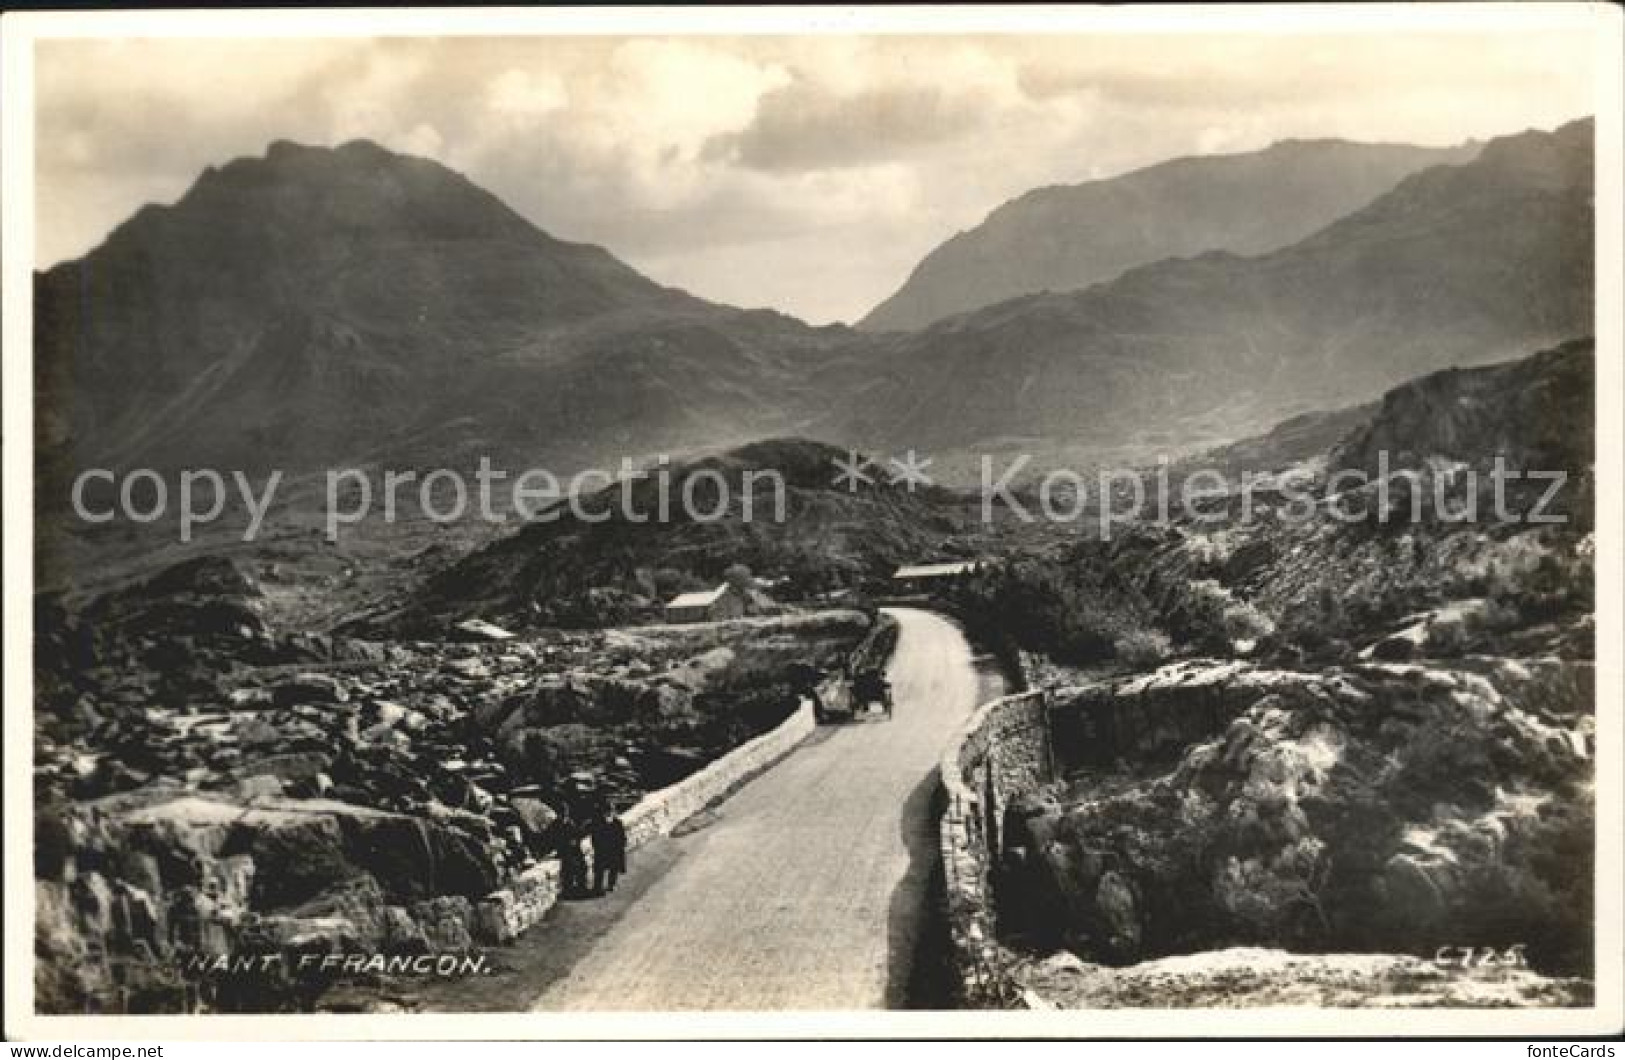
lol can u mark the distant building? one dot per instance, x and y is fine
(479, 629)
(926, 577)
(711, 605)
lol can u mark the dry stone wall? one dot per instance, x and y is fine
(508, 912)
(1003, 750)
(1154, 716)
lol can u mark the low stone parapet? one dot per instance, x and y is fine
(1002, 750)
(506, 913)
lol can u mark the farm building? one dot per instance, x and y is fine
(711, 605)
(925, 577)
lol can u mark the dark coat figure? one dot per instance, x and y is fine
(571, 860)
(804, 677)
(608, 851)
(804, 681)
(869, 687)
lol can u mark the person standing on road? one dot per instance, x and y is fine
(608, 851)
(570, 833)
(804, 680)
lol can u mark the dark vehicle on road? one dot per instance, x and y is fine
(842, 700)
(870, 687)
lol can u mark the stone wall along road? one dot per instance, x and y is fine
(809, 890)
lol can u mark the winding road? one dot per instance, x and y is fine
(808, 889)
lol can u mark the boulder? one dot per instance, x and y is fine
(536, 816)
(347, 649)
(447, 922)
(259, 786)
(473, 669)
(250, 698)
(1386, 805)
(293, 770)
(308, 688)
(252, 730)
(390, 713)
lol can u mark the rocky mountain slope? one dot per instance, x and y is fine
(565, 571)
(321, 306)
(1311, 555)
(1459, 264)
(1069, 237)
(1533, 413)
(1382, 734)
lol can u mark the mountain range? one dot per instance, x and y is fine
(1532, 413)
(1456, 265)
(1073, 236)
(328, 306)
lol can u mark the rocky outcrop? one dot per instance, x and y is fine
(152, 880)
(1389, 807)
(1258, 978)
(1417, 810)
(1531, 413)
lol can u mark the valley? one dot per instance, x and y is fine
(1290, 754)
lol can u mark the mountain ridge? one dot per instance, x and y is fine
(1068, 236)
(1456, 265)
(311, 304)
(320, 306)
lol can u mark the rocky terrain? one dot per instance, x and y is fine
(210, 786)
(1393, 808)
(827, 539)
(1069, 237)
(1381, 736)
(1249, 978)
(1375, 734)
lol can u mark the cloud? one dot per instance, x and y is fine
(807, 173)
(1266, 72)
(873, 104)
(525, 97)
(799, 128)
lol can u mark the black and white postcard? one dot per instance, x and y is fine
(1082, 522)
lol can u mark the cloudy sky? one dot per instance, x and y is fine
(807, 174)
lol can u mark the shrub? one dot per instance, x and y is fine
(1203, 613)
(1448, 635)
(1243, 621)
(1144, 647)
(1072, 606)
